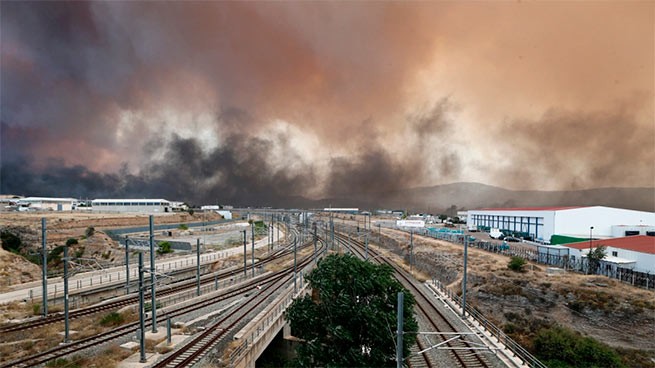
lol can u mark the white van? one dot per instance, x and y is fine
(496, 234)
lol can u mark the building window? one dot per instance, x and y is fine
(615, 254)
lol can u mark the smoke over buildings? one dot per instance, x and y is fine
(256, 102)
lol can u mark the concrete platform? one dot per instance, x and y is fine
(132, 345)
(159, 335)
(133, 361)
(163, 347)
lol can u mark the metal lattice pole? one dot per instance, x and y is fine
(127, 266)
(44, 267)
(66, 324)
(142, 324)
(153, 280)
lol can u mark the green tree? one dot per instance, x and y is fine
(351, 319)
(594, 257)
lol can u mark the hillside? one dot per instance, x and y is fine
(474, 195)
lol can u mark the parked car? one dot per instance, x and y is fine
(511, 239)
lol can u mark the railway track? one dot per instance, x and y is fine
(248, 287)
(462, 352)
(199, 345)
(132, 299)
(195, 349)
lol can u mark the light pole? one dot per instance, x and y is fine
(591, 229)
(252, 254)
(245, 270)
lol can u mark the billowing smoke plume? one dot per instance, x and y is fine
(260, 103)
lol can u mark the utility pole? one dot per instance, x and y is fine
(44, 267)
(66, 325)
(278, 229)
(411, 249)
(127, 266)
(315, 239)
(295, 289)
(332, 229)
(399, 331)
(198, 267)
(153, 280)
(366, 254)
(379, 233)
(466, 252)
(252, 255)
(245, 271)
(142, 324)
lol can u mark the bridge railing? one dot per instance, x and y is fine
(272, 315)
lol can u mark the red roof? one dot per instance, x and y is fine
(530, 209)
(637, 243)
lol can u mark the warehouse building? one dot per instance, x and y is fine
(542, 223)
(632, 252)
(131, 205)
(46, 204)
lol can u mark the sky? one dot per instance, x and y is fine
(255, 101)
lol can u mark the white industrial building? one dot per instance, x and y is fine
(410, 223)
(540, 223)
(46, 204)
(131, 205)
(634, 252)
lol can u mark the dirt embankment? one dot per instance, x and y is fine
(617, 314)
(86, 228)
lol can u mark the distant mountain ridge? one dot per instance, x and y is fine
(439, 198)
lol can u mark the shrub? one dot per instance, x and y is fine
(147, 307)
(561, 347)
(90, 231)
(516, 264)
(55, 255)
(10, 241)
(71, 241)
(164, 247)
(183, 227)
(112, 319)
(62, 362)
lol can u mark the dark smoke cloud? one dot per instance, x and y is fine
(594, 149)
(375, 169)
(111, 98)
(238, 173)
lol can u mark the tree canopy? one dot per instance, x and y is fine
(594, 258)
(351, 318)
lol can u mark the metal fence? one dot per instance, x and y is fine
(629, 276)
(515, 348)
